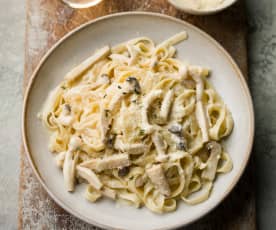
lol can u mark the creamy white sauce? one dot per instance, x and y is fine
(199, 4)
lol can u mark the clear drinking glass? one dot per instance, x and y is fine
(81, 3)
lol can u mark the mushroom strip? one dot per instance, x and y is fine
(151, 97)
(209, 172)
(70, 162)
(135, 84)
(196, 73)
(181, 142)
(90, 176)
(166, 105)
(104, 124)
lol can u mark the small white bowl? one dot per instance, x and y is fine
(189, 10)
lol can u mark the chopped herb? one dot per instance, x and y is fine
(104, 96)
(106, 112)
(119, 87)
(142, 132)
(110, 142)
(181, 146)
(124, 93)
(67, 107)
(63, 87)
(134, 101)
(78, 148)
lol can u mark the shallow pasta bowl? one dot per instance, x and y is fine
(80, 44)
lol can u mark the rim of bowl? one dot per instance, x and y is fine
(192, 11)
(139, 13)
(76, 5)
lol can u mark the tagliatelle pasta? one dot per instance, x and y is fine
(140, 126)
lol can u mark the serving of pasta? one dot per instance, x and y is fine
(139, 126)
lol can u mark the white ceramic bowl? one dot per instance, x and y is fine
(81, 5)
(200, 49)
(189, 10)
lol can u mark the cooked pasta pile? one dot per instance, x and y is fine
(139, 126)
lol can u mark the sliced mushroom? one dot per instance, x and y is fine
(110, 140)
(176, 129)
(104, 124)
(202, 121)
(148, 100)
(181, 142)
(209, 172)
(135, 84)
(158, 178)
(160, 146)
(69, 167)
(70, 161)
(90, 176)
(132, 149)
(109, 162)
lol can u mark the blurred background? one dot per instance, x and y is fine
(262, 70)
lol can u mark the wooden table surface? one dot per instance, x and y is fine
(47, 22)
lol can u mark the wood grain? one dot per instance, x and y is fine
(47, 22)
